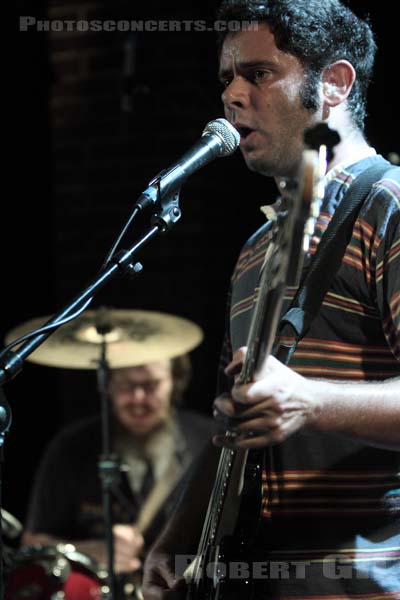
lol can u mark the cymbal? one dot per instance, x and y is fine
(132, 337)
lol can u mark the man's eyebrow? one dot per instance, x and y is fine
(243, 66)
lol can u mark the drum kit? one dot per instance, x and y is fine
(132, 337)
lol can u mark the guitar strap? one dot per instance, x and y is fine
(326, 261)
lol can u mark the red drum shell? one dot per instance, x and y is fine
(36, 573)
(47, 572)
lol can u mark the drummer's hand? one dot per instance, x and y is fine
(128, 542)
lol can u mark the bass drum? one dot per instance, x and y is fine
(54, 573)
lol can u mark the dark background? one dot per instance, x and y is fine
(78, 162)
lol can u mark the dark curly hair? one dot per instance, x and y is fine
(317, 34)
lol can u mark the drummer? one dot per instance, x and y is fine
(156, 441)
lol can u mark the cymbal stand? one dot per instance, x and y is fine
(109, 470)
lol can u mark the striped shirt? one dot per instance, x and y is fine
(331, 501)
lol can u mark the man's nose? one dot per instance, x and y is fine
(138, 393)
(236, 94)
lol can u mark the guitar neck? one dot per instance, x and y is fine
(267, 303)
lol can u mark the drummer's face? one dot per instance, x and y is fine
(141, 396)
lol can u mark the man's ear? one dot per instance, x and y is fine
(337, 81)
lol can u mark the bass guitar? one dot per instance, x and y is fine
(234, 511)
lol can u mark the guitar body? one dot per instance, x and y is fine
(225, 568)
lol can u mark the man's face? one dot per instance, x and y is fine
(262, 99)
(141, 396)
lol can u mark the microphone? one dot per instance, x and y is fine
(218, 139)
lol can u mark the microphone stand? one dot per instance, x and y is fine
(11, 362)
(5, 422)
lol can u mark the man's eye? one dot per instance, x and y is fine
(225, 82)
(259, 75)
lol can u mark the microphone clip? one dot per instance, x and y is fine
(168, 209)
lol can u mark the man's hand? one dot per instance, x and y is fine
(267, 411)
(159, 579)
(128, 543)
